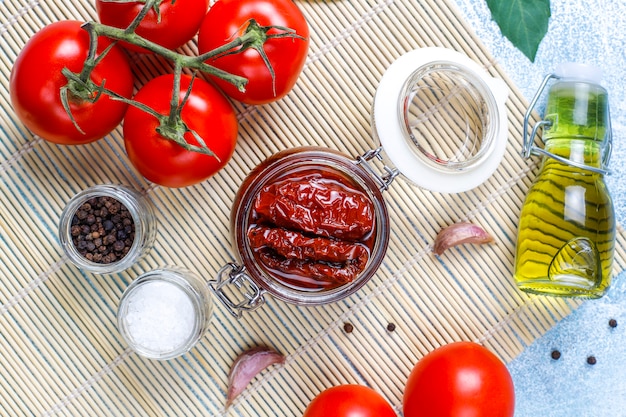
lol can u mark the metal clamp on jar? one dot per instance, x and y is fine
(310, 224)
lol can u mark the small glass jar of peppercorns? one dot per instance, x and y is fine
(107, 228)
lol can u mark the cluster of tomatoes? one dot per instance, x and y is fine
(39, 81)
(455, 380)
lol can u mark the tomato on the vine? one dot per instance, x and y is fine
(226, 20)
(207, 112)
(349, 401)
(459, 379)
(36, 81)
(176, 23)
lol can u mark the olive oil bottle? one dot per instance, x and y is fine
(566, 232)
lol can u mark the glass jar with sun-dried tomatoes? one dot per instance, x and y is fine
(310, 225)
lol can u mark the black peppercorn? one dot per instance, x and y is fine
(556, 355)
(391, 327)
(108, 225)
(103, 230)
(591, 360)
(613, 323)
(114, 208)
(347, 327)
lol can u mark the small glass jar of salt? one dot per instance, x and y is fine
(164, 313)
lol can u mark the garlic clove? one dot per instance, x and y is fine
(458, 234)
(247, 365)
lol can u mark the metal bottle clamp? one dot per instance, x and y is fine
(530, 149)
(234, 275)
(385, 179)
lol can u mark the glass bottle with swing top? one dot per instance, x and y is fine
(566, 234)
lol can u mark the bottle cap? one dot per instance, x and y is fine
(574, 71)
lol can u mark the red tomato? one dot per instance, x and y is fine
(36, 80)
(165, 162)
(349, 401)
(461, 379)
(226, 20)
(176, 23)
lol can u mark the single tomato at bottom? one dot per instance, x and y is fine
(461, 379)
(207, 112)
(349, 401)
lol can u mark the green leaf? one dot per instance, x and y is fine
(523, 22)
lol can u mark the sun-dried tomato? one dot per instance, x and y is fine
(290, 244)
(318, 205)
(312, 230)
(310, 274)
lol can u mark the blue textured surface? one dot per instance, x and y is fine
(590, 31)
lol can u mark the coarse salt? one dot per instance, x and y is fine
(160, 317)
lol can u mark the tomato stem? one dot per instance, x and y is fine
(254, 37)
(174, 108)
(78, 89)
(148, 4)
(193, 62)
(172, 126)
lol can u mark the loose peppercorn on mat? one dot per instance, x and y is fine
(60, 350)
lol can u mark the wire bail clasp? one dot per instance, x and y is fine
(530, 149)
(243, 290)
(386, 178)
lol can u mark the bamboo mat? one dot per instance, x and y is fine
(60, 351)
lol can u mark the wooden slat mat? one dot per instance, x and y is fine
(60, 351)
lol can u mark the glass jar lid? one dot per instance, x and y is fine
(441, 119)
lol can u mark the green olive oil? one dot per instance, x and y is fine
(566, 235)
